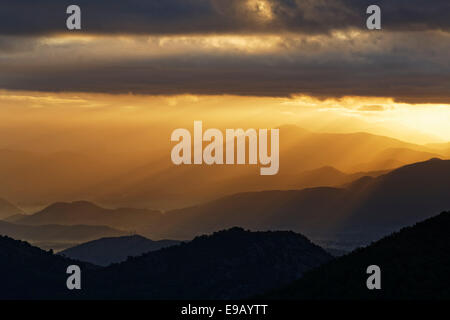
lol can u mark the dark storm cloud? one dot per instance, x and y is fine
(392, 75)
(411, 65)
(29, 17)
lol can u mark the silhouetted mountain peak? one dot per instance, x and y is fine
(231, 231)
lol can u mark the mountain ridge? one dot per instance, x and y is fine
(105, 251)
(88, 213)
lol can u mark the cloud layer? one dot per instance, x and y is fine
(28, 17)
(253, 47)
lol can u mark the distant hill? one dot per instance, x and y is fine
(8, 209)
(27, 272)
(103, 252)
(229, 264)
(414, 265)
(364, 210)
(87, 213)
(57, 233)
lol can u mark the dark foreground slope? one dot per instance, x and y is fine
(228, 264)
(103, 252)
(414, 262)
(27, 272)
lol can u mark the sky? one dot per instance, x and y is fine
(306, 62)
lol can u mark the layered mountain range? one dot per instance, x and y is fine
(356, 212)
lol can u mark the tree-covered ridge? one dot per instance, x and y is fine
(414, 262)
(27, 272)
(228, 264)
